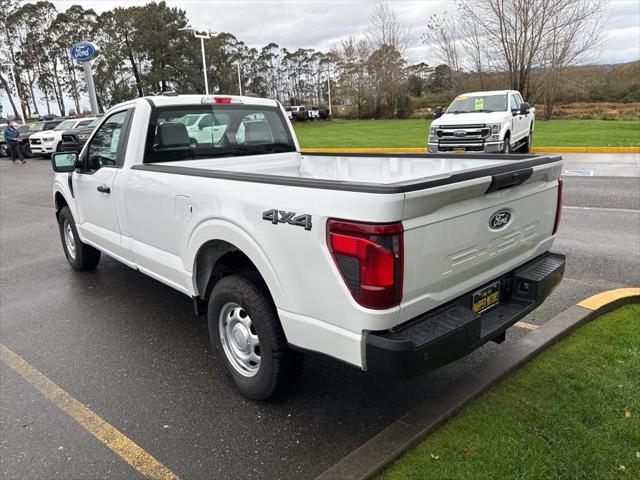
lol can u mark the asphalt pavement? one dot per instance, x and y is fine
(128, 348)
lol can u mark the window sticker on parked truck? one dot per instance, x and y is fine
(479, 103)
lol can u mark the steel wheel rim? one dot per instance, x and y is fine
(239, 339)
(69, 239)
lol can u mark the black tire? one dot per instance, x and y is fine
(526, 146)
(26, 150)
(4, 150)
(80, 255)
(506, 147)
(278, 365)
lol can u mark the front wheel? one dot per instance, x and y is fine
(245, 331)
(526, 147)
(506, 147)
(4, 150)
(26, 150)
(79, 255)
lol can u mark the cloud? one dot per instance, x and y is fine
(320, 24)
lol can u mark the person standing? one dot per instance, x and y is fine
(12, 138)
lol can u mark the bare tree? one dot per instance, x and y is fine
(573, 38)
(524, 32)
(443, 33)
(385, 28)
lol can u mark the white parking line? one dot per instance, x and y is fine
(624, 210)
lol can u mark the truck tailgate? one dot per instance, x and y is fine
(450, 247)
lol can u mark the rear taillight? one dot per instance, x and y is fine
(558, 207)
(369, 257)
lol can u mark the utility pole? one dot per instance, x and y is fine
(202, 37)
(329, 91)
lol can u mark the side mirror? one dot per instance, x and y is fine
(64, 162)
(438, 112)
(524, 108)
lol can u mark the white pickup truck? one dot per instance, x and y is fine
(490, 122)
(50, 141)
(395, 264)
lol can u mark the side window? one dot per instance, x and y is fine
(104, 149)
(519, 99)
(514, 103)
(83, 123)
(207, 121)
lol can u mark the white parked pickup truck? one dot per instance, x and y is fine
(50, 141)
(395, 264)
(489, 122)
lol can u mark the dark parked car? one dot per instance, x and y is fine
(73, 140)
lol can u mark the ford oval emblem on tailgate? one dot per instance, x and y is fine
(499, 219)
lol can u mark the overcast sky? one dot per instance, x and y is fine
(319, 24)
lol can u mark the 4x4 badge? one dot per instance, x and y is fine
(280, 216)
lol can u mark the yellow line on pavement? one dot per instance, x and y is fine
(119, 443)
(528, 326)
(601, 299)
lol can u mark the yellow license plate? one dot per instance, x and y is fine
(458, 150)
(486, 298)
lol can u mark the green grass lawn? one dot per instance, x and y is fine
(413, 133)
(571, 413)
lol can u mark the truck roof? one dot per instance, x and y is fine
(163, 101)
(488, 92)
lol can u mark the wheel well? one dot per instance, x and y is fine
(217, 259)
(60, 203)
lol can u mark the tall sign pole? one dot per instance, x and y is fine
(84, 52)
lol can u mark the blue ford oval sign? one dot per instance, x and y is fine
(83, 51)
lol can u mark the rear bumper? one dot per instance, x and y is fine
(454, 330)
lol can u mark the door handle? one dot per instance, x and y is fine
(104, 189)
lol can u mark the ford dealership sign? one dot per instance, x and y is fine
(83, 51)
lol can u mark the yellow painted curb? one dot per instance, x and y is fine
(424, 150)
(599, 300)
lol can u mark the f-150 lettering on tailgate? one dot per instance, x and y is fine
(471, 256)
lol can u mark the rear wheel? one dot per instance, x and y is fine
(79, 255)
(245, 331)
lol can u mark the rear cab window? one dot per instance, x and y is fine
(191, 132)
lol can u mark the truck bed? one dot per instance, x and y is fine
(383, 173)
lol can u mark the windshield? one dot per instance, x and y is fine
(94, 123)
(66, 125)
(37, 127)
(206, 131)
(479, 103)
